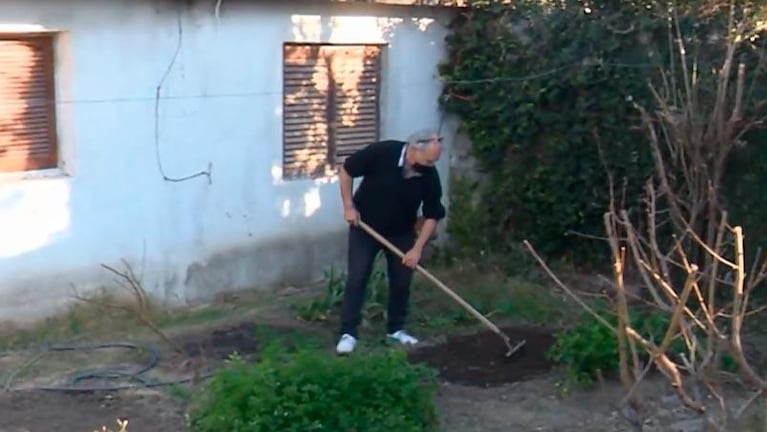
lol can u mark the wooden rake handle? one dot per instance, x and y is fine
(437, 282)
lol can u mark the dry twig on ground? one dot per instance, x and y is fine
(141, 309)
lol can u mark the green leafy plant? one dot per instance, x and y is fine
(313, 391)
(584, 352)
(318, 309)
(590, 349)
(324, 307)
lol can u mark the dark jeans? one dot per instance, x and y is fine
(363, 250)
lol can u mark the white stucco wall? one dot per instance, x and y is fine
(220, 107)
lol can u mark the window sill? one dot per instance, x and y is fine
(33, 175)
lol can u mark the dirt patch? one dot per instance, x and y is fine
(245, 339)
(478, 359)
(39, 411)
(222, 343)
(526, 405)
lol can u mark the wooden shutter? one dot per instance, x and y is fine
(356, 100)
(305, 105)
(27, 109)
(330, 105)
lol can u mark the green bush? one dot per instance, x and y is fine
(313, 391)
(585, 350)
(590, 348)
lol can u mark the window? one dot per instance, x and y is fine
(330, 105)
(27, 108)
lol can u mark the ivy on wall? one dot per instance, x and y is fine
(546, 94)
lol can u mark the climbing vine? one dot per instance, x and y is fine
(547, 96)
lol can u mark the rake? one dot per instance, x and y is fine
(513, 348)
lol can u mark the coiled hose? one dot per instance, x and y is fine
(136, 377)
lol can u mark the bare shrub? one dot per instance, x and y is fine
(689, 257)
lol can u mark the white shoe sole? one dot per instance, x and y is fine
(395, 340)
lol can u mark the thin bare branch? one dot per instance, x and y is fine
(670, 370)
(711, 251)
(565, 288)
(738, 308)
(754, 397)
(622, 309)
(142, 312)
(640, 260)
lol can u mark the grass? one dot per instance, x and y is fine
(501, 298)
(498, 297)
(108, 316)
(105, 314)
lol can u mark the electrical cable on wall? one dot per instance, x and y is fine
(158, 97)
(158, 89)
(404, 88)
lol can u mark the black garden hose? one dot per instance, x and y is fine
(136, 377)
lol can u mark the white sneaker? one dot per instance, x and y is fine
(402, 337)
(346, 344)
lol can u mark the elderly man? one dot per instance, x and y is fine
(398, 179)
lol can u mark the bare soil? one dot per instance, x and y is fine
(41, 411)
(482, 391)
(220, 344)
(480, 359)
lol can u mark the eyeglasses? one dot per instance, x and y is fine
(428, 140)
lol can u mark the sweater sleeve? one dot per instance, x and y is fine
(360, 163)
(432, 203)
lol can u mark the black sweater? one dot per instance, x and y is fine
(385, 199)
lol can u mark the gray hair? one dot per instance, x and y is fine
(421, 138)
